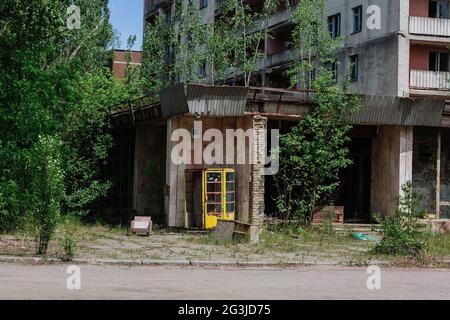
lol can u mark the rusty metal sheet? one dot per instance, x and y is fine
(389, 110)
(173, 100)
(216, 100)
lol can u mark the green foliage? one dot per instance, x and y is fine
(312, 43)
(245, 45)
(53, 93)
(186, 43)
(87, 140)
(172, 49)
(156, 48)
(68, 245)
(46, 190)
(401, 231)
(313, 152)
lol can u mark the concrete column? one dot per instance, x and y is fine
(391, 166)
(406, 155)
(257, 179)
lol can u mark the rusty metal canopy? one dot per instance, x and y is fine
(203, 100)
(389, 110)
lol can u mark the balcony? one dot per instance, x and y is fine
(429, 80)
(152, 5)
(429, 26)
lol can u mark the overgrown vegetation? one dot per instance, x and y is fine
(402, 233)
(67, 243)
(54, 90)
(180, 47)
(314, 151)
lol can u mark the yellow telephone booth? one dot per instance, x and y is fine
(217, 197)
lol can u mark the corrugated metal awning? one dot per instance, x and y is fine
(204, 100)
(387, 110)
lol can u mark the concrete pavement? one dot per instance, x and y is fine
(116, 282)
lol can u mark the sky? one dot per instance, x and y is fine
(127, 18)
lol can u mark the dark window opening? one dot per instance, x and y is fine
(202, 70)
(438, 9)
(203, 4)
(357, 19)
(334, 25)
(439, 61)
(354, 68)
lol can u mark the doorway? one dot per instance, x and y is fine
(355, 191)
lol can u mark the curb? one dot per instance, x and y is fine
(204, 264)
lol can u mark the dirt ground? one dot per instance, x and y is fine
(100, 243)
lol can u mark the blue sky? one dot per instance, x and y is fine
(127, 18)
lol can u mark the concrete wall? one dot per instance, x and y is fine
(391, 166)
(149, 171)
(383, 54)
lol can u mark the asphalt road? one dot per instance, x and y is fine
(114, 282)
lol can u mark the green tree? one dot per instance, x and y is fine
(314, 151)
(241, 24)
(46, 190)
(157, 71)
(50, 86)
(311, 41)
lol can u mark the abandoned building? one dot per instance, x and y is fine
(397, 55)
(393, 140)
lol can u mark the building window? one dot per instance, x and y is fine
(439, 61)
(203, 4)
(168, 16)
(357, 19)
(333, 68)
(202, 70)
(334, 25)
(438, 9)
(354, 68)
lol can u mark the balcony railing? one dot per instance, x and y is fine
(423, 79)
(152, 5)
(429, 26)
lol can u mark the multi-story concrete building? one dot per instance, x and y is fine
(395, 53)
(397, 48)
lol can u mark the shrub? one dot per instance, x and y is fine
(68, 244)
(47, 188)
(68, 247)
(401, 231)
(9, 205)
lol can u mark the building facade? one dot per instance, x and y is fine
(396, 54)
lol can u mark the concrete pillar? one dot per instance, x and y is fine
(391, 166)
(257, 179)
(406, 155)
